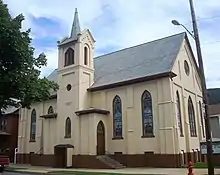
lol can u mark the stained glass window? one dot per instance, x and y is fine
(147, 114)
(68, 128)
(50, 110)
(33, 125)
(117, 117)
(192, 120)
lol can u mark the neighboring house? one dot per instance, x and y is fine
(9, 131)
(140, 106)
(214, 111)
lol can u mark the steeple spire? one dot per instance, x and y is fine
(76, 26)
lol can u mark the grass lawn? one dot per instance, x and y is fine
(88, 173)
(15, 168)
(198, 165)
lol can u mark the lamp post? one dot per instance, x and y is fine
(195, 36)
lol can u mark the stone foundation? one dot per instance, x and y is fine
(138, 160)
(88, 161)
(149, 160)
(36, 159)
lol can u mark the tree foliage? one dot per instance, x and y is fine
(19, 69)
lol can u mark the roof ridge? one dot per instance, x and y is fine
(139, 45)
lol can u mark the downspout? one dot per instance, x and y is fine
(42, 132)
(176, 140)
(186, 126)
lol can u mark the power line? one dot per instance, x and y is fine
(201, 19)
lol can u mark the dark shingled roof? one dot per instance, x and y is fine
(214, 96)
(148, 59)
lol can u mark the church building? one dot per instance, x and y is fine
(137, 107)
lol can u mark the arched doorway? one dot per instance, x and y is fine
(100, 138)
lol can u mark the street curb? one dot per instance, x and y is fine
(29, 172)
(25, 172)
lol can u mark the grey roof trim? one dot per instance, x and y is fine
(64, 146)
(132, 81)
(92, 110)
(49, 116)
(91, 35)
(2, 133)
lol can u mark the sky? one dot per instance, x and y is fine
(120, 24)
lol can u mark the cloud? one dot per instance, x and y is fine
(119, 24)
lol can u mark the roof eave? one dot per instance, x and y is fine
(91, 35)
(53, 115)
(133, 81)
(92, 110)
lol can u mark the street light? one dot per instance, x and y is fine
(203, 84)
(176, 23)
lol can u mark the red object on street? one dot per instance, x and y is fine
(190, 168)
(4, 161)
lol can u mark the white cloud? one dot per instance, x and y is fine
(135, 22)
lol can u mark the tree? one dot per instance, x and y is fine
(19, 69)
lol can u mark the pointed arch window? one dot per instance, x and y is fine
(68, 128)
(69, 57)
(179, 117)
(117, 117)
(50, 110)
(33, 126)
(192, 120)
(147, 114)
(201, 118)
(86, 55)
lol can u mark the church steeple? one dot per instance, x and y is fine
(76, 26)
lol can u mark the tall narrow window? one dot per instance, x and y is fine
(147, 114)
(201, 117)
(179, 117)
(33, 125)
(69, 57)
(50, 110)
(68, 128)
(86, 56)
(117, 117)
(192, 120)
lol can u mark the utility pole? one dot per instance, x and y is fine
(204, 92)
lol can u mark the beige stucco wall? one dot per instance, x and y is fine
(187, 85)
(167, 139)
(24, 144)
(130, 96)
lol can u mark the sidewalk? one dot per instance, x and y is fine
(150, 171)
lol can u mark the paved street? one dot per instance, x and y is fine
(10, 173)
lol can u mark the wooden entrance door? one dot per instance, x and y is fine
(61, 156)
(100, 138)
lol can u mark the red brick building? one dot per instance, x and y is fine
(9, 131)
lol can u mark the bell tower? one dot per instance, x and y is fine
(75, 74)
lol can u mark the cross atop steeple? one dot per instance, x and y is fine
(76, 26)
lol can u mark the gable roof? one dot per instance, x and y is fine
(151, 59)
